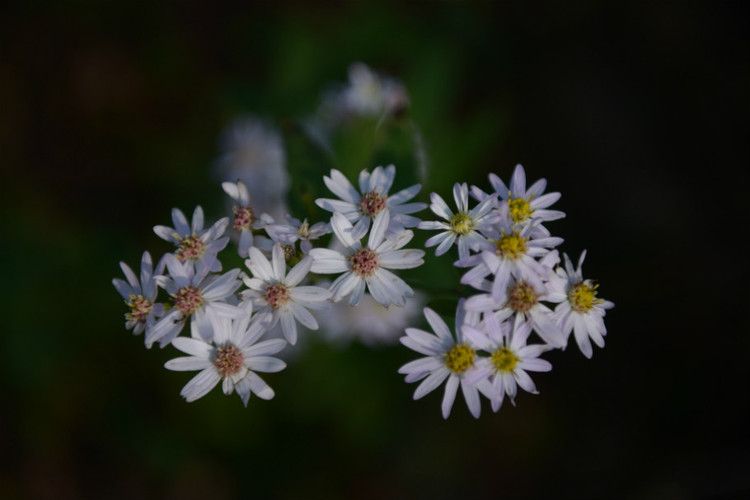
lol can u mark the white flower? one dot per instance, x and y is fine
(278, 295)
(296, 230)
(368, 265)
(254, 152)
(232, 358)
(522, 298)
(360, 208)
(245, 219)
(368, 321)
(514, 254)
(579, 310)
(510, 358)
(523, 206)
(465, 225)
(140, 295)
(196, 295)
(446, 358)
(194, 244)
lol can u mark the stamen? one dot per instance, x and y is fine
(190, 248)
(243, 217)
(228, 361)
(522, 297)
(364, 262)
(520, 210)
(462, 224)
(582, 297)
(188, 299)
(504, 360)
(372, 203)
(139, 308)
(277, 295)
(459, 358)
(511, 246)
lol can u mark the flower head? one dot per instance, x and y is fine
(446, 358)
(233, 357)
(194, 244)
(368, 266)
(140, 296)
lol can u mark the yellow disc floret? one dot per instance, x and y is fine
(511, 246)
(462, 224)
(504, 360)
(520, 210)
(582, 297)
(459, 358)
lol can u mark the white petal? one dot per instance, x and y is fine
(451, 386)
(201, 384)
(431, 382)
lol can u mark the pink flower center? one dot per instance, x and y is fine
(139, 308)
(372, 203)
(243, 217)
(188, 299)
(191, 248)
(364, 262)
(277, 295)
(228, 361)
(522, 297)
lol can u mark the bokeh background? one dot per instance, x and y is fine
(110, 114)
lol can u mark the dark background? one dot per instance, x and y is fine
(637, 113)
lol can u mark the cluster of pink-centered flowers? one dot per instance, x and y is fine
(233, 316)
(511, 260)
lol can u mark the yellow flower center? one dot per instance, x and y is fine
(190, 248)
(462, 224)
(459, 358)
(504, 360)
(511, 246)
(139, 308)
(582, 297)
(520, 210)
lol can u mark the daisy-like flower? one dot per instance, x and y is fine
(369, 94)
(232, 358)
(140, 295)
(245, 219)
(524, 299)
(579, 310)
(514, 254)
(446, 359)
(510, 358)
(253, 151)
(465, 225)
(523, 206)
(368, 265)
(196, 295)
(194, 244)
(277, 293)
(360, 208)
(296, 230)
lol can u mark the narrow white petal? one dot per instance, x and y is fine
(451, 387)
(187, 363)
(431, 382)
(201, 384)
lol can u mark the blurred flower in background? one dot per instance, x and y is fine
(253, 152)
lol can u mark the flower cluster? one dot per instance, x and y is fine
(294, 268)
(513, 264)
(232, 315)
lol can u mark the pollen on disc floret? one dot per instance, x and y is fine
(522, 297)
(277, 295)
(364, 262)
(243, 217)
(511, 246)
(459, 358)
(228, 360)
(504, 360)
(190, 248)
(139, 308)
(582, 297)
(372, 203)
(520, 210)
(188, 299)
(462, 224)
